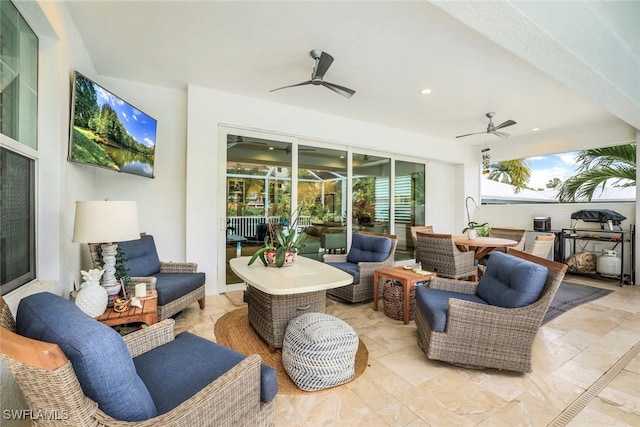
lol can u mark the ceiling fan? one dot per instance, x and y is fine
(323, 62)
(491, 128)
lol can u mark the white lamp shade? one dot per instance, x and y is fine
(105, 222)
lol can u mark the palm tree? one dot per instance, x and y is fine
(515, 172)
(553, 183)
(599, 166)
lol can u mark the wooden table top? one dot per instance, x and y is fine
(487, 242)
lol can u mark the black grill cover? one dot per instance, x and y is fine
(598, 215)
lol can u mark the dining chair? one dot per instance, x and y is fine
(510, 233)
(420, 229)
(541, 246)
(439, 253)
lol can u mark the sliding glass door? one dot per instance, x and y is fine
(409, 204)
(258, 192)
(371, 189)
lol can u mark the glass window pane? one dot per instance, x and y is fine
(18, 77)
(17, 240)
(322, 179)
(371, 193)
(258, 193)
(409, 206)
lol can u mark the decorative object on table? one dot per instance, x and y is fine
(106, 221)
(141, 290)
(319, 351)
(120, 304)
(281, 243)
(480, 229)
(486, 159)
(92, 298)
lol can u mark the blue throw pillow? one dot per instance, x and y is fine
(142, 257)
(98, 354)
(368, 248)
(510, 281)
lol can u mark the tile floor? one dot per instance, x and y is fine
(401, 387)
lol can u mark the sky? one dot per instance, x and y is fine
(545, 168)
(138, 124)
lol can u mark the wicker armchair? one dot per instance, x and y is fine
(420, 229)
(438, 253)
(541, 246)
(50, 385)
(511, 234)
(178, 283)
(478, 335)
(362, 287)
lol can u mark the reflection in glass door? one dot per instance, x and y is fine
(370, 193)
(258, 192)
(409, 208)
(322, 180)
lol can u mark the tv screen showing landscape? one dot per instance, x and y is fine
(108, 132)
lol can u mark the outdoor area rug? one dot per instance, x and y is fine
(234, 331)
(570, 295)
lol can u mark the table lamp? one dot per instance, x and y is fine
(106, 222)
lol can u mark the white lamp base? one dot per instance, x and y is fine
(109, 281)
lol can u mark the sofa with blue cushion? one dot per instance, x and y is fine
(368, 252)
(147, 376)
(491, 323)
(178, 284)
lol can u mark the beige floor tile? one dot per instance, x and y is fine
(400, 387)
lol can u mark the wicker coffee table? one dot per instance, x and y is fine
(277, 295)
(405, 276)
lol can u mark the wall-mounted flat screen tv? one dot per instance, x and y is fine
(108, 132)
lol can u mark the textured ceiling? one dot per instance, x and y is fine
(386, 51)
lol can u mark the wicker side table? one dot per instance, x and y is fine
(406, 277)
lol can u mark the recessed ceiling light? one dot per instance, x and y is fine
(271, 148)
(535, 129)
(425, 91)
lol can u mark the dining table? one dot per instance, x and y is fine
(481, 245)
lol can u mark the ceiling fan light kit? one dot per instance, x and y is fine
(323, 62)
(491, 128)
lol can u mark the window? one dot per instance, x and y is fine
(18, 124)
(605, 174)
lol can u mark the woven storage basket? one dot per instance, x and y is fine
(393, 300)
(319, 351)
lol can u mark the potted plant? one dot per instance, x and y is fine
(281, 244)
(474, 229)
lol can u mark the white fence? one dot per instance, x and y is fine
(246, 225)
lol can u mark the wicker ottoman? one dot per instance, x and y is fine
(319, 351)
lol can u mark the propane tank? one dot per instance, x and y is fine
(609, 264)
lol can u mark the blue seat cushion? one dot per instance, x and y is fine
(177, 370)
(511, 282)
(367, 248)
(434, 305)
(141, 255)
(171, 286)
(98, 354)
(348, 267)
